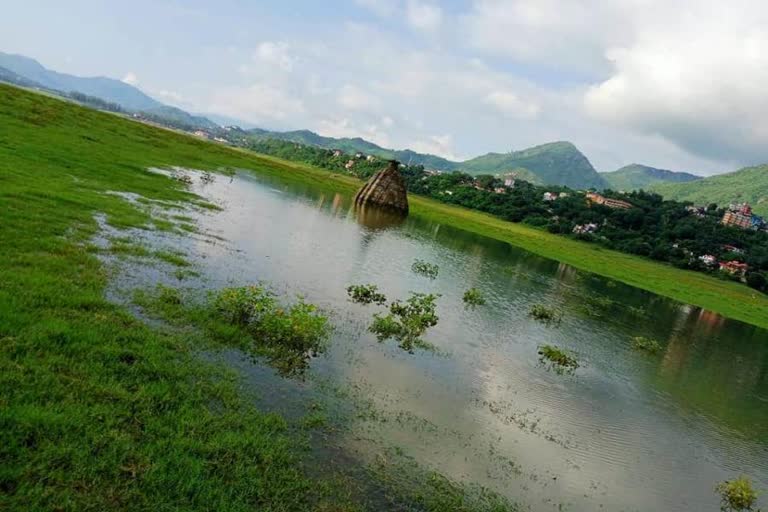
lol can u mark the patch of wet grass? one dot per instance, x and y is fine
(558, 359)
(737, 495)
(250, 318)
(171, 257)
(366, 294)
(473, 298)
(647, 345)
(426, 269)
(545, 314)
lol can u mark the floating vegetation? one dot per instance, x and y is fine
(557, 359)
(182, 177)
(737, 495)
(407, 321)
(425, 269)
(174, 258)
(644, 344)
(473, 298)
(366, 294)
(169, 295)
(637, 311)
(546, 315)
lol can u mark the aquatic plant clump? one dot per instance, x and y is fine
(366, 294)
(545, 314)
(291, 334)
(558, 359)
(425, 269)
(737, 495)
(407, 321)
(473, 298)
(644, 344)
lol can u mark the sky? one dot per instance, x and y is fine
(675, 84)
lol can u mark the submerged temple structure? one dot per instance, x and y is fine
(385, 188)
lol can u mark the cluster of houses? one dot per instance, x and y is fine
(351, 162)
(741, 216)
(595, 198)
(733, 267)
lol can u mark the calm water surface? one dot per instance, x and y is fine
(627, 431)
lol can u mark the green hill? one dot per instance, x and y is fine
(357, 144)
(746, 185)
(637, 176)
(556, 163)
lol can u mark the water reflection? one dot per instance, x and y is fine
(377, 218)
(628, 431)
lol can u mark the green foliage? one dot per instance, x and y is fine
(98, 410)
(745, 185)
(425, 269)
(243, 304)
(290, 335)
(558, 359)
(648, 345)
(407, 321)
(545, 314)
(473, 298)
(737, 495)
(366, 294)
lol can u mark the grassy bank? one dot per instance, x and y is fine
(98, 411)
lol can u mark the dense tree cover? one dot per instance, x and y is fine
(655, 228)
(325, 158)
(94, 102)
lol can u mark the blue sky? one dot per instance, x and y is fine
(675, 83)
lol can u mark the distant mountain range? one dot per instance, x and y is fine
(556, 163)
(637, 176)
(107, 89)
(745, 185)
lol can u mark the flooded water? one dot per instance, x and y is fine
(626, 431)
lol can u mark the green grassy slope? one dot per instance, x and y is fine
(557, 163)
(98, 411)
(749, 184)
(637, 176)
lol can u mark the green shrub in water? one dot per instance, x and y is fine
(366, 294)
(737, 495)
(545, 314)
(407, 321)
(425, 269)
(646, 345)
(473, 298)
(290, 334)
(558, 359)
(243, 304)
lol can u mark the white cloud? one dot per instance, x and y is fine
(257, 103)
(423, 16)
(559, 34)
(440, 145)
(130, 78)
(697, 80)
(379, 7)
(275, 53)
(510, 104)
(354, 98)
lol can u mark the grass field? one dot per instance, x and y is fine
(99, 411)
